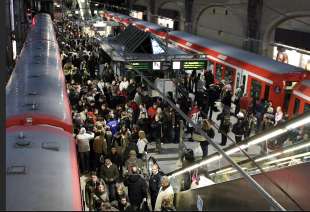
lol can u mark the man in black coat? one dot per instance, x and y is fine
(155, 183)
(137, 188)
(209, 78)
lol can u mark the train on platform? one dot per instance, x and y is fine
(261, 77)
(42, 170)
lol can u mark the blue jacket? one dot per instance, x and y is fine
(113, 124)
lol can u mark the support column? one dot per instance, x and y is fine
(255, 9)
(151, 11)
(188, 25)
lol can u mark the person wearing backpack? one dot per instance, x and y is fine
(224, 118)
(203, 141)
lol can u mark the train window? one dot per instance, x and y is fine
(296, 106)
(229, 74)
(218, 70)
(267, 90)
(256, 88)
(307, 107)
(210, 65)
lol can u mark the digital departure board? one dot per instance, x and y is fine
(194, 65)
(140, 65)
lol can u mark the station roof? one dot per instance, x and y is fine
(129, 45)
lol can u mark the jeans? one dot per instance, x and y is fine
(204, 146)
(112, 192)
(84, 161)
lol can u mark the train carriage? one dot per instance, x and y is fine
(36, 92)
(300, 100)
(42, 172)
(262, 77)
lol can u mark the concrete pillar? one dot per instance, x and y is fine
(188, 9)
(255, 9)
(151, 11)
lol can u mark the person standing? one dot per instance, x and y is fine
(204, 144)
(142, 144)
(239, 127)
(137, 188)
(83, 139)
(109, 173)
(224, 118)
(165, 191)
(155, 183)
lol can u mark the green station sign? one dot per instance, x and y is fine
(193, 65)
(139, 65)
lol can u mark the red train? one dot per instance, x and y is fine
(261, 77)
(42, 170)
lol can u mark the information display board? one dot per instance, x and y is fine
(152, 65)
(140, 65)
(189, 65)
(194, 65)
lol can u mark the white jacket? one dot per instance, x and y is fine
(141, 145)
(161, 195)
(123, 85)
(83, 141)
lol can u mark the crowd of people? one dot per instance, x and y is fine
(115, 119)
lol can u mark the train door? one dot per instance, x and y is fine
(241, 79)
(229, 76)
(256, 88)
(219, 69)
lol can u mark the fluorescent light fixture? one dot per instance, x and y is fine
(297, 148)
(96, 5)
(299, 123)
(268, 156)
(224, 170)
(289, 158)
(236, 149)
(266, 137)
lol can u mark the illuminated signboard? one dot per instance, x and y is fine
(176, 65)
(193, 65)
(139, 65)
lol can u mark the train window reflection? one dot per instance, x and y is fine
(256, 88)
(229, 74)
(218, 74)
(307, 107)
(296, 106)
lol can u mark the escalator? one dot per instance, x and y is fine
(282, 172)
(274, 178)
